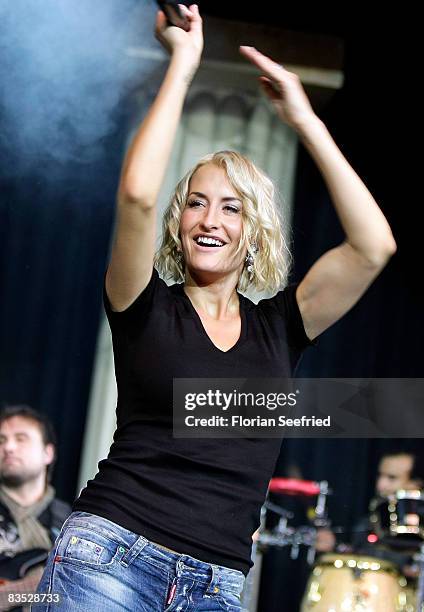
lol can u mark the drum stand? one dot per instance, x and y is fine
(283, 535)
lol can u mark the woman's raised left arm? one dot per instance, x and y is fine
(339, 277)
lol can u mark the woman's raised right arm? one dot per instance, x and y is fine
(143, 170)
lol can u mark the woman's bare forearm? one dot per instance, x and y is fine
(148, 155)
(365, 226)
(367, 231)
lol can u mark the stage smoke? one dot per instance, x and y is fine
(64, 68)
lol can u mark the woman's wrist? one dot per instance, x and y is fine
(184, 65)
(312, 130)
(308, 124)
(186, 57)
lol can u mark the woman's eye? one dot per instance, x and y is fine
(197, 203)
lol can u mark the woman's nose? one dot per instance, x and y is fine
(210, 218)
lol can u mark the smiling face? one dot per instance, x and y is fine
(211, 226)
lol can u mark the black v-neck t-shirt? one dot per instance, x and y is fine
(200, 497)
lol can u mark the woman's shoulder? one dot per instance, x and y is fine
(154, 292)
(284, 304)
(279, 301)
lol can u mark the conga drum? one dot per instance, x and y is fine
(348, 583)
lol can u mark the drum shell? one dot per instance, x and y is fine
(342, 582)
(400, 516)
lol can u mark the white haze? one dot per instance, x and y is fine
(64, 70)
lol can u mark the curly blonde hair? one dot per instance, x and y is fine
(261, 225)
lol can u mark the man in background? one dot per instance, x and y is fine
(30, 514)
(397, 470)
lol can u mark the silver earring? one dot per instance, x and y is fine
(179, 257)
(249, 261)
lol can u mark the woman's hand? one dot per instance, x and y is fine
(178, 41)
(283, 88)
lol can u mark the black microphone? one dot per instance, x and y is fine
(173, 14)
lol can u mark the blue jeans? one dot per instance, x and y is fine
(98, 566)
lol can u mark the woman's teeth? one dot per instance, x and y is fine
(209, 241)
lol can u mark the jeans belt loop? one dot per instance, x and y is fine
(134, 551)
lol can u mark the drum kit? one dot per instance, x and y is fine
(357, 581)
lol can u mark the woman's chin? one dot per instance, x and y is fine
(207, 271)
(204, 270)
(203, 274)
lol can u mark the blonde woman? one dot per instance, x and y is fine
(167, 523)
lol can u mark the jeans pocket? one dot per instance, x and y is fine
(88, 548)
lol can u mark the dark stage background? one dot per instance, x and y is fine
(55, 229)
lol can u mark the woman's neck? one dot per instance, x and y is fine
(217, 299)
